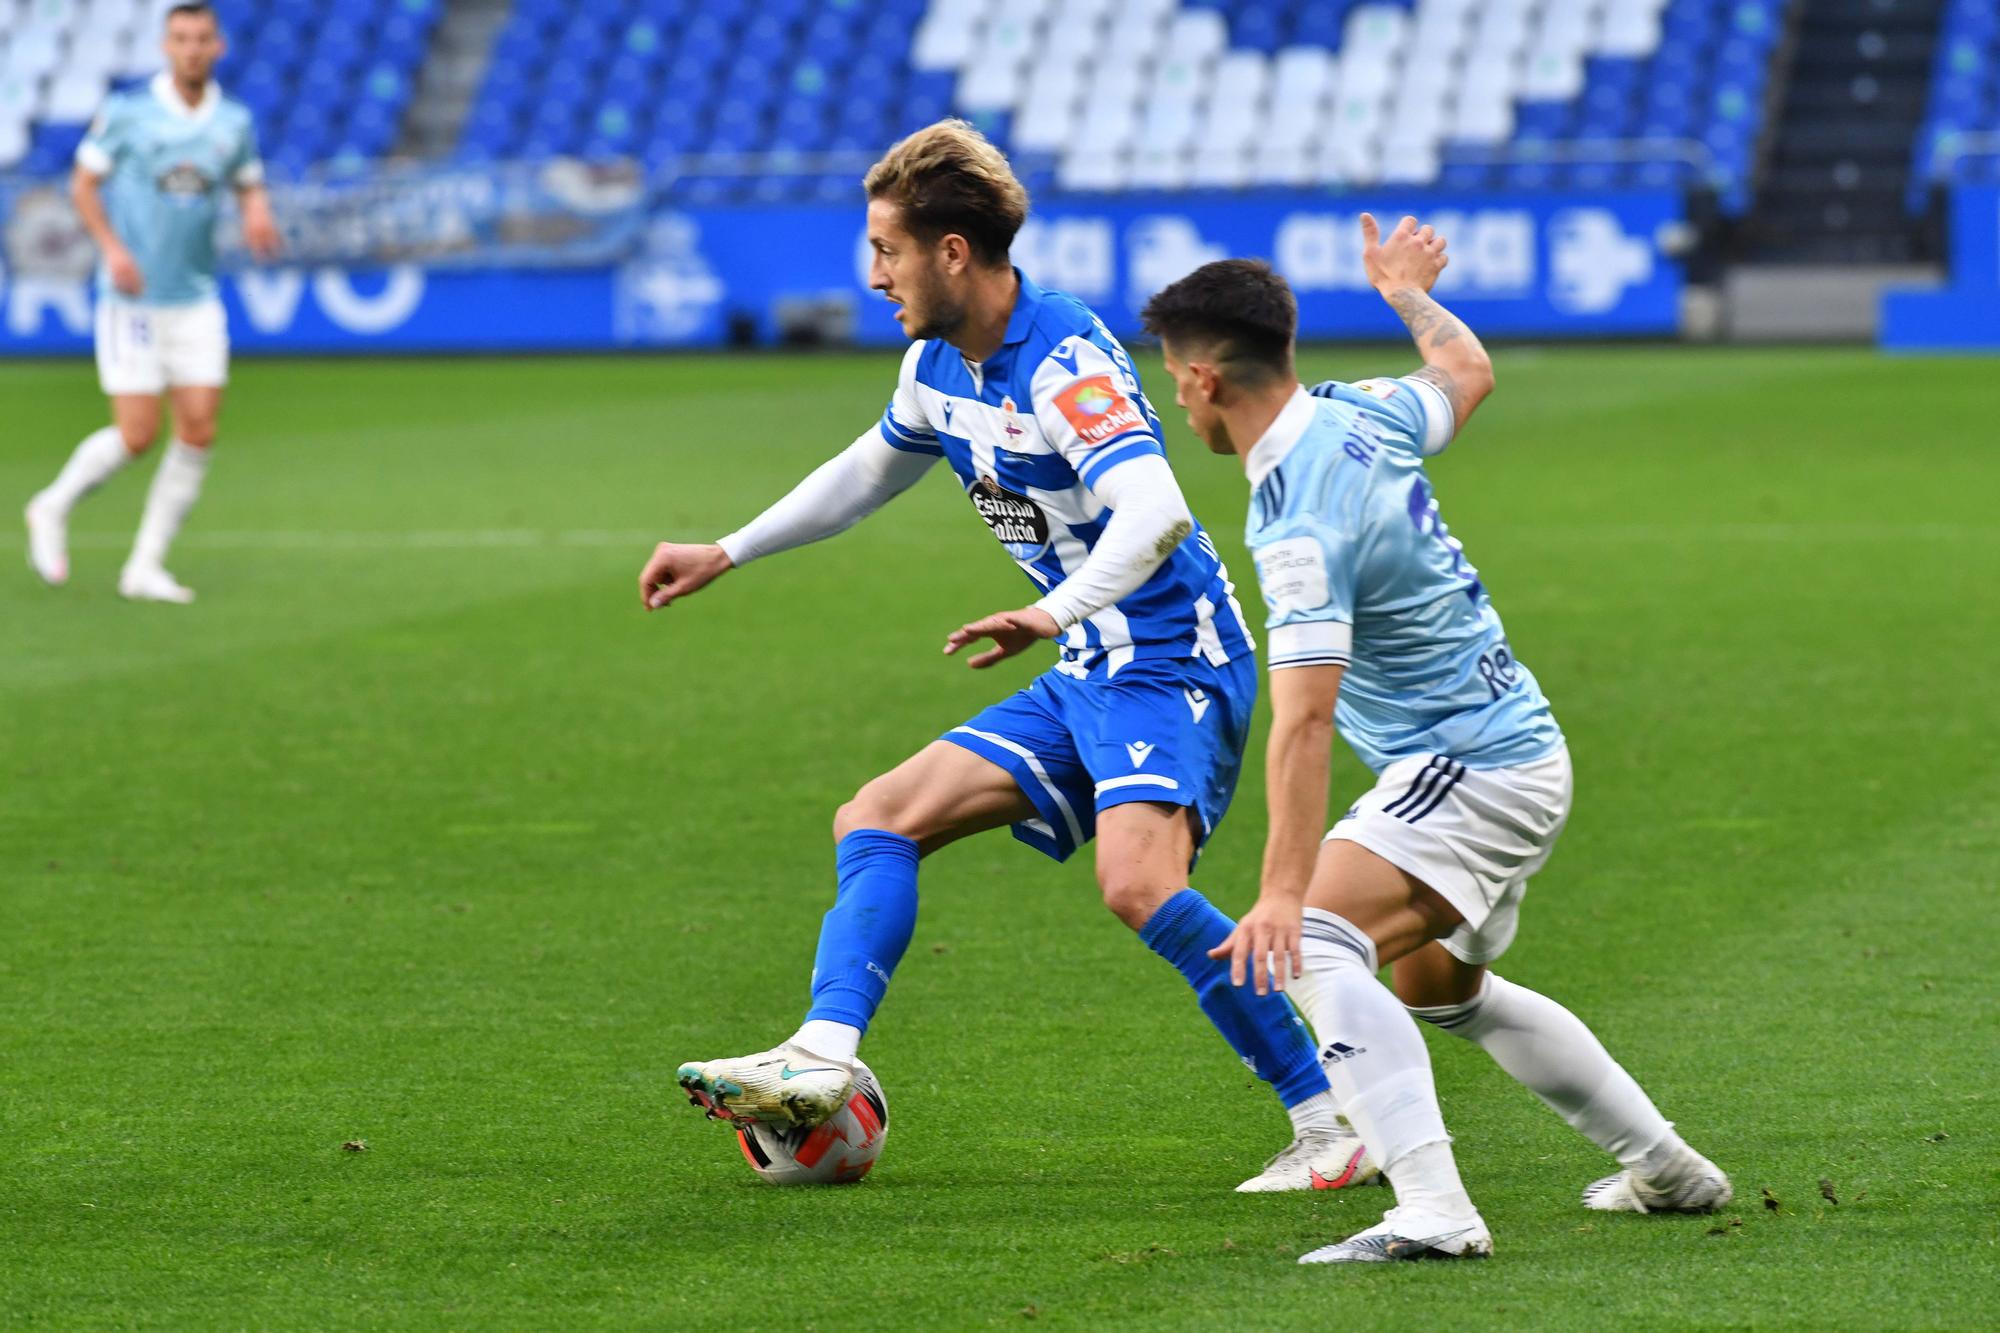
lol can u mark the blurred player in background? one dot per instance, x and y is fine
(148, 183)
(1379, 626)
(1135, 736)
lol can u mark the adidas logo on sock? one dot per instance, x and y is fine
(1340, 1050)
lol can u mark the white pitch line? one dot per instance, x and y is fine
(443, 539)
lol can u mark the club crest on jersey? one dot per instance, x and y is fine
(1009, 420)
(1016, 520)
(184, 179)
(1097, 411)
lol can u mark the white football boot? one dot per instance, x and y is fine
(48, 542)
(1690, 1183)
(152, 583)
(782, 1086)
(1325, 1159)
(1403, 1236)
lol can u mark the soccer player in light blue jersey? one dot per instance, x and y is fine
(1136, 734)
(1381, 628)
(148, 183)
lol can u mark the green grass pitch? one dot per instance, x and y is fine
(416, 832)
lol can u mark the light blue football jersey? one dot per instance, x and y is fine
(1358, 568)
(1029, 432)
(165, 166)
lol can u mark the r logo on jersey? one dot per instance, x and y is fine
(1097, 411)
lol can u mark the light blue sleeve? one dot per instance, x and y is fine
(1306, 572)
(1416, 411)
(105, 139)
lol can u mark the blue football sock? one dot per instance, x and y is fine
(874, 914)
(1264, 1029)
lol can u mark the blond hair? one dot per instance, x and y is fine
(949, 180)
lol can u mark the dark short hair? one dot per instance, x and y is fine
(1237, 310)
(949, 180)
(193, 9)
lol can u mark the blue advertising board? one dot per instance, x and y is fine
(1542, 265)
(1964, 314)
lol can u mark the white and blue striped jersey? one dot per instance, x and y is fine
(1029, 432)
(166, 165)
(1358, 569)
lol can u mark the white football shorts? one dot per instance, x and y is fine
(1474, 835)
(151, 348)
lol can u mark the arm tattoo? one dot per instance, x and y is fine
(1430, 323)
(1432, 326)
(1441, 377)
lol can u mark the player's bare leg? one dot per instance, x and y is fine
(937, 796)
(1549, 1050)
(176, 486)
(135, 421)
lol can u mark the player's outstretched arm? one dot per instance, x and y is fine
(1295, 783)
(1403, 269)
(838, 494)
(86, 191)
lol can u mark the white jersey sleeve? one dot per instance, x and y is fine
(1090, 409)
(103, 141)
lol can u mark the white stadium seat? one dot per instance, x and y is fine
(1301, 74)
(1097, 171)
(74, 97)
(1159, 167)
(1552, 77)
(1376, 28)
(1169, 125)
(1197, 33)
(13, 141)
(990, 85)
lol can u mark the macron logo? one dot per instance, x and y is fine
(1140, 752)
(1197, 703)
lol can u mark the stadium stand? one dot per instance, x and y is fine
(327, 83)
(1961, 131)
(1116, 95)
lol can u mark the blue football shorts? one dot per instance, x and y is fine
(1170, 730)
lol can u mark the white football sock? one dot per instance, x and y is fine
(1319, 1113)
(93, 463)
(1379, 1070)
(838, 1042)
(1549, 1050)
(176, 486)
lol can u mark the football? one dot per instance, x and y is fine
(838, 1152)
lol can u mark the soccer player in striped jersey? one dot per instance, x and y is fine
(1381, 628)
(1134, 737)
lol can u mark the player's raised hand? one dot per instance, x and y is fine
(1011, 632)
(677, 569)
(1267, 940)
(1412, 256)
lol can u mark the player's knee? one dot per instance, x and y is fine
(1132, 896)
(138, 434)
(873, 808)
(196, 432)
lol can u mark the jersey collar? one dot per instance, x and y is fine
(169, 97)
(1284, 433)
(1026, 302)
